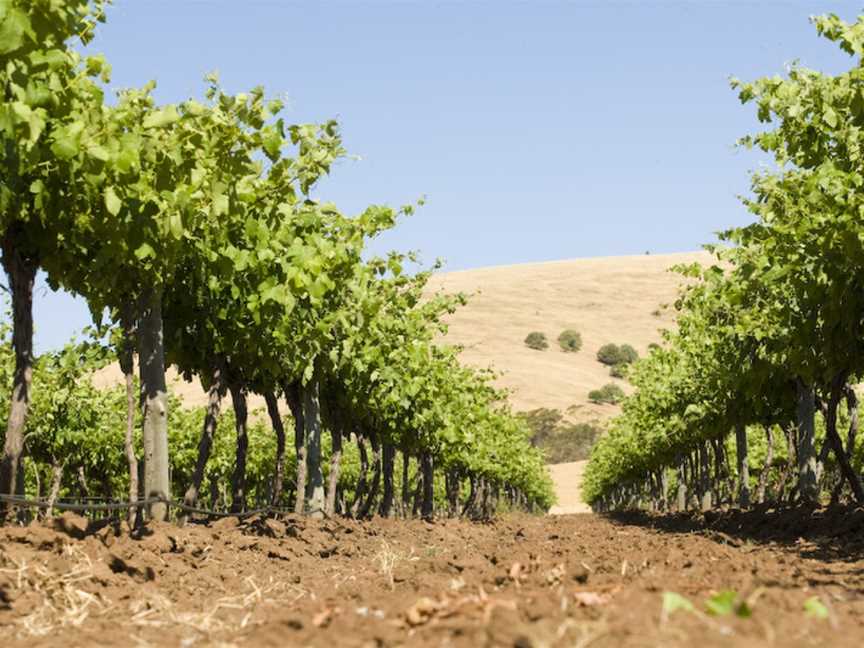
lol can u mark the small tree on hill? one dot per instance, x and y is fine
(618, 371)
(537, 341)
(610, 393)
(609, 354)
(612, 354)
(628, 354)
(570, 341)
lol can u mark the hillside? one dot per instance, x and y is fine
(609, 299)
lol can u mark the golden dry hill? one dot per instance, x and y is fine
(608, 299)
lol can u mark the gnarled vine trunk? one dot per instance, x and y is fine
(406, 482)
(295, 404)
(154, 400)
(241, 419)
(279, 430)
(720, 470)
(56, 480)
(426, 467)
(452, 487)
(766, 468)
(360, 492)
(312, 422)
(20, 270)
(851, 435)
(335, 467)
(125, 358)
(372, 492)
(215, 394)
(388, 461)
(808, 470)
(743, 466)
(681, 494)
(704, 477)
(846, 469)
(852, 407)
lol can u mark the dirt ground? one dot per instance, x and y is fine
(572, 580)
(567, 480)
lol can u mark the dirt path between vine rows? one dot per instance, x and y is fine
(577, 580)
(567, 480)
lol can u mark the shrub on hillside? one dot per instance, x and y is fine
(610, 393)
(561, 442)
(537, 341)
(543, 423)
(618, 370)
(571, 443)
(570, 340)
(612, 354)
(609, 354)
(628, 354)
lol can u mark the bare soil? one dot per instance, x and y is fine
(572, 580)
(567, 480)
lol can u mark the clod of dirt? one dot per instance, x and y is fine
(422, 611)
(120, 566)
(72, 525)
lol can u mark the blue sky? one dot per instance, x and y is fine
(536, 130)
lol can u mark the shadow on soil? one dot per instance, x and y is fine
(831, 534)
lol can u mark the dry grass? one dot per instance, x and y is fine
(59, 600)
(389, 557)
(229, 613)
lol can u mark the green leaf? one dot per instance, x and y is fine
(175, 224)
(145, 251)
(815, 608)
(272, 141)
(126, 159)
(14, 24)
(112, 201)
(98, 152)
(160, 118)
(95, 65)
(220, 205)
(722, 603)
(67, 140)
(673, 602)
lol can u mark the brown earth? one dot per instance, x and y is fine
(520, 581)
(567, 478)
